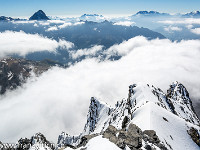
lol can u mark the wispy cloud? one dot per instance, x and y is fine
(54, 28)
(90, 52)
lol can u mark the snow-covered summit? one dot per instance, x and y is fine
(170, 115)
(92, 17)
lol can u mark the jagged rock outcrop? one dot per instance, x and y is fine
(132, 137)
(181, 102)
(97, 111)
(39, 15)
(122, 138)
(65, 140)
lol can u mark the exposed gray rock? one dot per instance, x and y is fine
(134, 130)
(153, 138)
(194, 135)
(122, 138)
(132, 137)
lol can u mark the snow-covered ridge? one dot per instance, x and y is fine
(148, 119)
(171, 115)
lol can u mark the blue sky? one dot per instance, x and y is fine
(105, 7)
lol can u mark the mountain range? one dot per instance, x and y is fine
(148, 119)
(40, 15)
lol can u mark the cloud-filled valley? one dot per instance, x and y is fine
(58, 100)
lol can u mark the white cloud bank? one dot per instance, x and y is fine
(181, 21)
(64, 25)
(22, 43)
(89, 52)
(59, 99)
(195, 31)
(125, 23)
(172, 28)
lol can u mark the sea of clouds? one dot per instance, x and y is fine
(58, 100)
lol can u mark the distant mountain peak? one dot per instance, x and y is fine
(39, 15)
(91, 15)
(192, 14)
(150, 13)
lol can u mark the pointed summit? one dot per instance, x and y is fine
(179, 96)
(97, 110)
(39, 15)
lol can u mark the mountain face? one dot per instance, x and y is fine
(14, 72)
(147, 119)
(39, 15)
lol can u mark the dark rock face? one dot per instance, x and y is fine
(14, 72)
(194, 135)
(39, 15)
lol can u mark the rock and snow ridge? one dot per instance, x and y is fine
(147, 119)
(171, 116)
